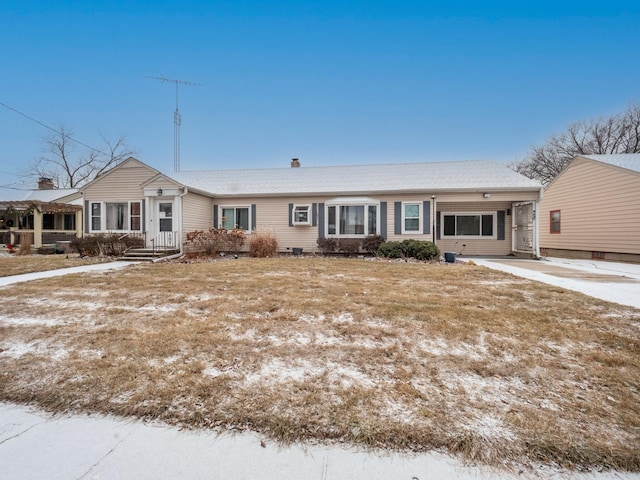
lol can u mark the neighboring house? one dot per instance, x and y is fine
(476, 207)
(592, 209)
(46, 214)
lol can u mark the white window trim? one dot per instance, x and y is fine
(220, 216)
(468, 237)
(103, 216)
(420, 217)
(351, 202)
(301, 207)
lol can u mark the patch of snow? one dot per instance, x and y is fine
(32, 321)
(344, 317)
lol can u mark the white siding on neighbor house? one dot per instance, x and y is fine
(599, 209)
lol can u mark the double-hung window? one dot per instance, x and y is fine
(353, 219)
(235, 217)
(469, 225)
(411, 217)
(116, 216)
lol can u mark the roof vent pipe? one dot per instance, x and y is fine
(295, 163)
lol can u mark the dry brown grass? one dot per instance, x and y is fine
(498, 369)
(19, 264)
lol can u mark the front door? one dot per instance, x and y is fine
(164, 233)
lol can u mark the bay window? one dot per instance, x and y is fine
(352, 219)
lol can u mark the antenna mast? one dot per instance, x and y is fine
(177, 118)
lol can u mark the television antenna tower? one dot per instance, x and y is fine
(177, 118)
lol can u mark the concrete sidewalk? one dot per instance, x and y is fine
(611, 281)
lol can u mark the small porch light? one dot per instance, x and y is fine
(159, 192)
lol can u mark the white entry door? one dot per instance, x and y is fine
(164, 213)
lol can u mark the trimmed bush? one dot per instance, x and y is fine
(420, 250)
(213, 241)
(327, 245)
(263, 245)
(371, 243)
(349, 245)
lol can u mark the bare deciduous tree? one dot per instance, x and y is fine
(618, 133)
(69, 168)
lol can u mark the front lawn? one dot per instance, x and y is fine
(19, 264)
(494, 368)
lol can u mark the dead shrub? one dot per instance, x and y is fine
(263, 245)
(349, 246)
(213, 241)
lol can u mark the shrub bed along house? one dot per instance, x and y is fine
(104, 244)
(213, 241)
(418, 249)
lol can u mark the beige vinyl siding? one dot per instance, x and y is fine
(599, 209)
(121, 184)
(475, 246)
(272, 215)
(197, 212)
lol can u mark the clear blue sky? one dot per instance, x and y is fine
(330, 82)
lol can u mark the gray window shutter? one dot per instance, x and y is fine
(437, 225)
(501, 224)
(383, 219)
(253, 216)
(397, 211)
(215, 216)
(87, 216)
(291, 214)
(314, 214)
(426, 216)
(321, 220)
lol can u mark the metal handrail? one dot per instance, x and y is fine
(164, 236)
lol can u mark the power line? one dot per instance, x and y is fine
(42, 124)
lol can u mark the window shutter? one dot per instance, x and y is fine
(87, 216)
(437, 225)
(321, 220)
(314, 214)
(383, 219)
(501, 225)
(397, 211)
(426, 216)
(215, 216)
(291, 214)
(253, 216)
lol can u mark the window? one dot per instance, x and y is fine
(134, 216)
(69, 221)
(235, 217)
(95, 216)
(468, 225)
(555, 221)
(48, 221)
(411, 217)
(113, 216)
(301, 215)
(352, 219)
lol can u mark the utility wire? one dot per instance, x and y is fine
(42, 124)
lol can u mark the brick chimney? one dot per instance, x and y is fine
(295, 163)
(45, 183)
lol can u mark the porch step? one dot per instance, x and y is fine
(148, 254)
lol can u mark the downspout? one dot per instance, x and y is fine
(184, 192)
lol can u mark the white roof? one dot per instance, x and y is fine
(630, 161)
(481, 175)
(44, 195)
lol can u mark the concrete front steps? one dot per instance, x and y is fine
(148, 254)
